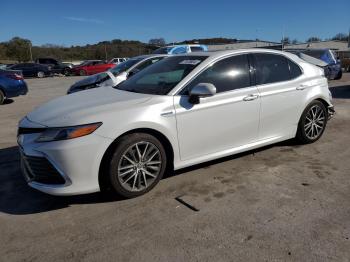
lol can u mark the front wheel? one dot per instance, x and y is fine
(82, 73)
(137, 165)
(40, 74)
(312, 123)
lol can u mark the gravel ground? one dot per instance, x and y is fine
(284, 202)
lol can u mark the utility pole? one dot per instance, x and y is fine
(105, 52)
(30, 52)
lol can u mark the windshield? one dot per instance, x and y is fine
(315, 53)
(122, 67)
(161, 77)
(162, 50)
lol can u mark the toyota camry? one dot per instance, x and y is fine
(184, 110)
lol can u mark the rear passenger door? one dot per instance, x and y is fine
(278, 80)
(227, 120)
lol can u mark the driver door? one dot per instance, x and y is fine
(224, 121)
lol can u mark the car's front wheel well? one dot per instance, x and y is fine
(104, 183)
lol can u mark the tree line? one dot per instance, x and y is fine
(22, 50)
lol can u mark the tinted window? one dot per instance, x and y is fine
(161, 77)
(295, 70)
(124, 66)
(226, 75)
(271, 68)
(162, 50)
(196, 49)
(148, 62)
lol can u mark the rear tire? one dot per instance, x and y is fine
(312, 123)
(137, 164)
(2, 97)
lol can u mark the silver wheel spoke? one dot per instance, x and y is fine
(126, 172)
(138, 152)
(129, 178)
(314, 122)
(148, 173)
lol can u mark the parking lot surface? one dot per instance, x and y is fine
(284, 202)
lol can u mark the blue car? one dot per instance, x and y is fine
(333, 69)
(11, 84)
(181, 49)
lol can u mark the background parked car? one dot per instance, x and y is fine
(180, 49)
(328, 56)
(345, 60)
(117, 60)
(116, 74)
(32, 69)
(91, 67)
(56, 66)
(11, 84)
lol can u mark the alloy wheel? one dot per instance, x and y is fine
(139, 166)
(314, 122)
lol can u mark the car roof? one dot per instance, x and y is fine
(216, 54)
(149, 56)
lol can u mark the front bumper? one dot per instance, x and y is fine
(67, 167)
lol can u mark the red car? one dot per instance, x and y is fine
(91, 67)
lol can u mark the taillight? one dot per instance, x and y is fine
(15, 76)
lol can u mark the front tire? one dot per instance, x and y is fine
(2, 97)
(82, 73)
(40, 74)
(312, 123)
(137, 165)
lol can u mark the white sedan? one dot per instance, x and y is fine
(181, 111)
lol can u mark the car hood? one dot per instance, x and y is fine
(84, 107)
(97, 78)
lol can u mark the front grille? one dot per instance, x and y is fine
(27, 130)
(40, 170)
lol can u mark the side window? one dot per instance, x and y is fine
(271, 68)
(144, 65)
(226, 75)
(180, 50)
(294, 69)
(196, 49)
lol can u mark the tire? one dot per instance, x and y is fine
(312, 123)
(2, 97)
(82, 73)
(66, 72)
(40, 74)
(128, 176)
(339, 75)
(348, 69)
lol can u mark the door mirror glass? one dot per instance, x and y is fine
(201, 90)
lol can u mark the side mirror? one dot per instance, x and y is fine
(201, 90)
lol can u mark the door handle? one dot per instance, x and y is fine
(250, 97)
(301, 87)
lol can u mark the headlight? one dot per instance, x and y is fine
(63, 133)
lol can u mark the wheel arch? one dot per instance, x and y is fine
(108, 153)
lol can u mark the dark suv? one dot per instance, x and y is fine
(56, 66)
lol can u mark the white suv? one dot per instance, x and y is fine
(181, 111)
(117, 60)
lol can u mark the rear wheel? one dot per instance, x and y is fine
(2, 97)
(312, 123)
(137, 165)
(40, 74)
(66, 72)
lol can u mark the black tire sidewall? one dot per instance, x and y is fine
(301, 136)
(2, 97)
(122, 145)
